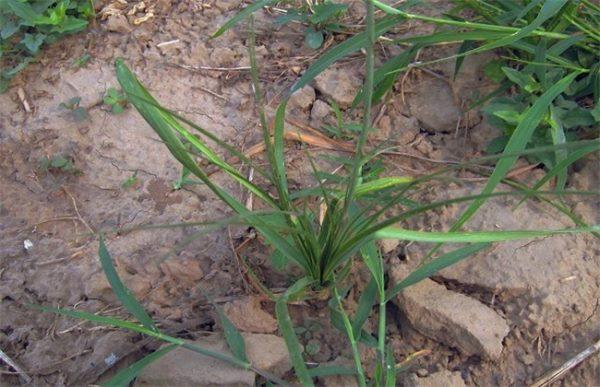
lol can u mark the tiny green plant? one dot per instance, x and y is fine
(57, 163)
(77, 113)
(321, 18)
(130, 181)
(82, 61)
(325, 228)
(25, 26)
(116, 100)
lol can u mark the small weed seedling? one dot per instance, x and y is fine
(116, 100)
(130, 181)
(82, 61)
(321, 19)
(58, 163)
(76, 112)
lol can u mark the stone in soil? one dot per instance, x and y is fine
(451, 318)
(442, 378)
(248, 316)
(267, 352)
(340, 85)
(302, 99)
(320, 110)
(118, 23)
(434, 105)
(182, 367)
(398, 127)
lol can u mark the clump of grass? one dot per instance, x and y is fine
(77, 113)
(326, 227)
(25, 26)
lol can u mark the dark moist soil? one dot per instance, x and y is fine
(123, 177)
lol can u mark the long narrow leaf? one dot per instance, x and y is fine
(332, 370)
(123, 294)
(235, 341)
(367, 299)
(473, 236)
(287, 330)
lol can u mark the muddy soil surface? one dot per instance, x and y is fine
(122, 178)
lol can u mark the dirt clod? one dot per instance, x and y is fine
(303, 98)
(452, 318)
(268, 352)
(248, 316)
(320, 110)
(442, 378)
(433, 104)
(338, 84)
(118, 23)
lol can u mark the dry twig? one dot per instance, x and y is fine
(559, 372)
(4, 357)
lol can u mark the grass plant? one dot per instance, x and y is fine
(325, 228)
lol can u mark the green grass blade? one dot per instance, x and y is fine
(235, 341)
(372, 259)
(549, 9)
(430, 268)
(343, 49)
(367, 299)
(390, 370)
(278, 152)
(379, 184)
(287, 330)
(360, 375)
(332, 370)
(464, 47)
(550, 6)
(123, 294)
(126, 376)
(241, 16)
(557, 133)
(109, 321)
(452, 37)
(473, 236)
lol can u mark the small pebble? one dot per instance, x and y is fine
(27, 244)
